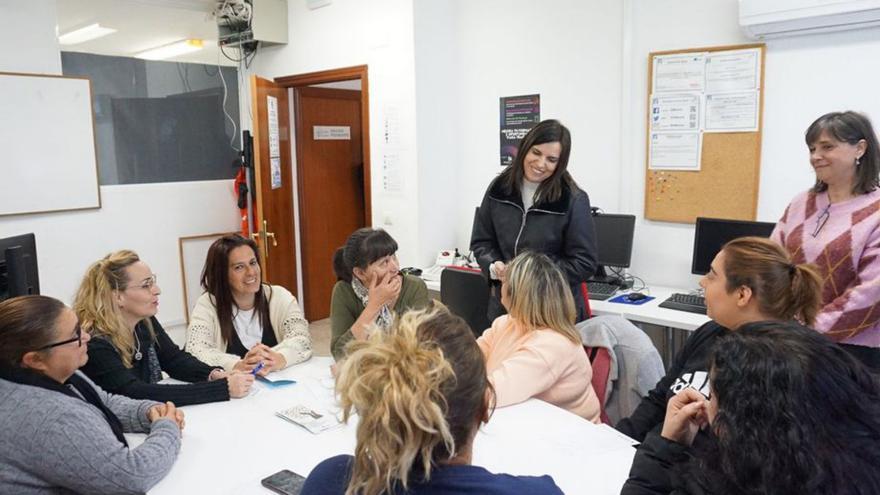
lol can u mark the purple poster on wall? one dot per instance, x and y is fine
(518, 115)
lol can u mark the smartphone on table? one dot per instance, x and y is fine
(285, 482)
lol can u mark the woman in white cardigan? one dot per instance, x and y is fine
(240, 322)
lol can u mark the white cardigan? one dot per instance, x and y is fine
(203, 339)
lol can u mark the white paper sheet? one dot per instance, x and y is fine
(732, 112)
(675, 112)
(675, 150)
(684, 72)
(274, 140)
(733, 70)
(276, 172)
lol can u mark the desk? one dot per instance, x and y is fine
(651, 312)
(228, 447)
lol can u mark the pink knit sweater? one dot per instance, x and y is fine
(846, 250)
(542, 363)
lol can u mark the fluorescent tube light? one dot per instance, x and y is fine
(171, 50)
(81, 35)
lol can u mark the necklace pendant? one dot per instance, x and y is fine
(138, 356)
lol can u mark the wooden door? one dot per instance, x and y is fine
(274, 228)
(330, 182)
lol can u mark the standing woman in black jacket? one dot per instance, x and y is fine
(535, 205)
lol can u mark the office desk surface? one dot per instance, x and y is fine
(228, 447)
(651, 312)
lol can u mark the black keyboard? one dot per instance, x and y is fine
(600, 291)
(685, 302)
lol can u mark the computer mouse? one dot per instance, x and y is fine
(635, 296)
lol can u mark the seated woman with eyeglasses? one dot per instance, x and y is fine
(59, 432)
(790, 412)
(117, 303)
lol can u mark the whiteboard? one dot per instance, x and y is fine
(47, 138)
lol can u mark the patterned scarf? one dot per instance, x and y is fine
(385, 317)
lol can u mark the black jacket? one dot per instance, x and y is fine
(662, 466)
(561, 229)
(690, 369)
(106, 369)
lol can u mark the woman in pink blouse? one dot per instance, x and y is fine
(836, 225)
(534, 350)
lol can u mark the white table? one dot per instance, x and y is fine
(228, 447)
(651, 312)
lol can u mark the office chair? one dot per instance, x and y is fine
(465, 292)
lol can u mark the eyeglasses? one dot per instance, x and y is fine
(147, 284)
(78, 339)
(820, 221)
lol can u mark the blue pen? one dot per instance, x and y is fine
(257, 369)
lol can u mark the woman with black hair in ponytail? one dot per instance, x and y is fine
(370, 288)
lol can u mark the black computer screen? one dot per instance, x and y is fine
(614, 235)
(713, 233)
(19, 275)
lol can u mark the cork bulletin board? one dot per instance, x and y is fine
(723, 183)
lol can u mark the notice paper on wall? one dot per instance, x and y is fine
(276, 172)
(675, 112)
(732, 112)
(733, 70)
(682, 72)
(274, 138)
(675, 151)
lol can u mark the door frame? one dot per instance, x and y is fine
(335, 75)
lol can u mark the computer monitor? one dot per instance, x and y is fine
(713, 233)
(18, 266)
(614, 236)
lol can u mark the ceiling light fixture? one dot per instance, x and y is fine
(171, 50)
(83, 34)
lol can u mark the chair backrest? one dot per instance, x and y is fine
(466, 293)
(600, 360)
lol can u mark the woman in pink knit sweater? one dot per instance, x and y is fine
(534, 350)
(836, 225)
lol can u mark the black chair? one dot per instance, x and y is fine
(466, 294)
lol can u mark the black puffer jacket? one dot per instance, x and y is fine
(561, 229)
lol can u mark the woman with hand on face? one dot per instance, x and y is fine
(371, 289)
(836, 225)
(751, 279)
(240, 322)
(790, 412)
(534, 350)
(117, 303)
(536, 205)
(59, 432)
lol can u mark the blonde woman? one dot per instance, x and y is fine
(534, 350)
(117, 303)
(420, 391)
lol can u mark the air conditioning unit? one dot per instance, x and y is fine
(766, 19)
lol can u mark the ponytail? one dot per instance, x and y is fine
(419, 390)
(362, 247)
(805, 295)
(783, 290)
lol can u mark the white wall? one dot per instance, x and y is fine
(568, 51)
(805, 77)
(35, 48)
(147, 218)
(379, 34)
